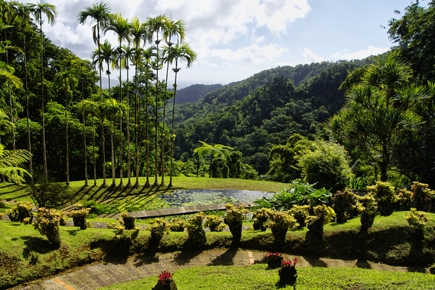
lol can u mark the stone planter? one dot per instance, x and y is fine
(169, 284)
(80, 221)
(52, 234)
(287, 275)
(236, 231)
(274, 261)
(367, 220)
(129, 223)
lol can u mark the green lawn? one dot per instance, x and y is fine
(259, 277)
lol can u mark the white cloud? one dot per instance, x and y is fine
(371, 50)
(311, 56)
(253, 54)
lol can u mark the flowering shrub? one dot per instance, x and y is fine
(343, 203)
(419, 191)
(158, 228)
(79, 214)
(416, 219)
(214, 223)
(289, 263)
(385, 196)
(367, 207)
(195, 229)
(177, 225)
(279, 222)
(234, 219)
(20, 211)
(165, 281)
(300, 213)
(260, 217)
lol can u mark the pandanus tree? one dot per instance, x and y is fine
(156, 26)
(99, 14)
(379, 109)
(212, 152)
(39, 10)
(100, 56)
(177, 53)
(121, 27)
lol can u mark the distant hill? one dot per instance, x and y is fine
(254, 114)
(194, 93)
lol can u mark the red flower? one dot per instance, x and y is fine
(289, 263)
(165, 275)
(277, 254)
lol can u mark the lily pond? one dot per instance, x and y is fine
(201, 197)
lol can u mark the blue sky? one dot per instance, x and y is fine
(235, 39)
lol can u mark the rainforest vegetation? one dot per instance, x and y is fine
(349, 122)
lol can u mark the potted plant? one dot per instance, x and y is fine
(300, 213)
(385, 195)
(195, 229)
(274, 259)
(214, 223)
(367, 207)
(21, 211)
(260, 217)
(165, 282)
(47, 223)
(287, 273)
(279, 222)
(79, 214)
(234, 219)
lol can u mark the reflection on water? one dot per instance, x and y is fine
(200, 197)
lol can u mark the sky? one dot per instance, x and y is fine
(234, 39)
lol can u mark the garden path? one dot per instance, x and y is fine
(104, 274)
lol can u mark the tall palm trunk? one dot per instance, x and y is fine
(120, 120)
(163, 121)
(176, 70)
(10, 100)
(156, 122)
(84, 139)
(26, 88)
(44, 144)
(136, 121)
(128, 130)
(147, 137)
(67, 141)
(103, 140)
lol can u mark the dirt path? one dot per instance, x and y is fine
(104, 274)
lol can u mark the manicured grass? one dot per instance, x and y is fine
(129, 198)
(259, 277)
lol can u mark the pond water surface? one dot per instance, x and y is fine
(200, 197)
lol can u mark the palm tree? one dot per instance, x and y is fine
(138, 32)
(128, 53)
(98, 13)
(23, 13)
(38, 10)
(121, 28)
(172, 28)
(147, 55)
(103, 54)
(66, 81)
(156, 25)
(179, 52)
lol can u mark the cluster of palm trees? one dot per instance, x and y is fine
(139, 43)
(121, 111)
